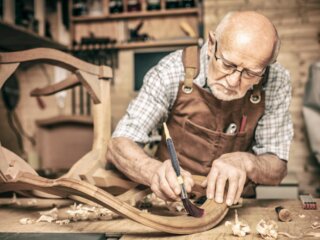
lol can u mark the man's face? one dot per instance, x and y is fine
(233, 70)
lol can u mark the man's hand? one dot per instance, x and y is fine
(164, 182)
(229, 168)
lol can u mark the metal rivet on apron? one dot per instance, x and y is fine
(255, 99)
(186, 89)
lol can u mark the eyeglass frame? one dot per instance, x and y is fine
(235, 67)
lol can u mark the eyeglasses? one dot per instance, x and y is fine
(229, 68)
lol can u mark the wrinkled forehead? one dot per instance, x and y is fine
(254, 49)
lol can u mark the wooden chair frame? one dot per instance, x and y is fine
(79, 183)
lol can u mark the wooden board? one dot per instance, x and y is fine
(251, 212)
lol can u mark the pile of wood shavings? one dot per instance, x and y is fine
(85, 212)
(239, 228)
(75, 213)
(152, 200)
(267, 229)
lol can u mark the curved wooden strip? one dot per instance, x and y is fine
(57, 58)
(69, 82)
(18, 175)
(214, 212)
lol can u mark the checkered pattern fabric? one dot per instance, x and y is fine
(159, 91)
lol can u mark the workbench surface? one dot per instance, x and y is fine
(252, 212)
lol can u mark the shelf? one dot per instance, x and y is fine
(141, 14)
(158, 43)
(152, 44)
(15, 38)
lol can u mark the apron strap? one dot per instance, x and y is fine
(255, 97)
(191, 63)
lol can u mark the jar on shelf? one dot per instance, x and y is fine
(134, 5)
(115, 6)
(79, 8)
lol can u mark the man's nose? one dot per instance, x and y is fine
(233, 79)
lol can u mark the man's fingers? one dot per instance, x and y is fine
(204, 183)
(161, 188)
(165, 187)
(232, 190)
(188, 180)
(173, 181)
(211, 182)
(241, 183)
(220, 186)
(155, 187)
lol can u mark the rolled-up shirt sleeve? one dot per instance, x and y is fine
(153, 102)
(274, 131)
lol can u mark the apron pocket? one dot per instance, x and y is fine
(196, 143)
(205, 145)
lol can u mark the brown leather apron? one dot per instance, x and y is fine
(198, 120)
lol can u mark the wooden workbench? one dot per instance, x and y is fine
(251, 211)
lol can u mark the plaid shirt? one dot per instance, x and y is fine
(155, 100)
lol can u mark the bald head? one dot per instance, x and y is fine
(249, 32)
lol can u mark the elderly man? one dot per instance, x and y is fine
(230, 122)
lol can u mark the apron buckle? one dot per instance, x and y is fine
(187, 89)
(255, 99)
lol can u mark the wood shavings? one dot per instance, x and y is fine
(53, 213)
(302, 216)
(73, 213)
(63, 222)
(315, 225)
(25, 221)
(85, 212)
(152, 200)
(239, 228)
(267, 230)
(45, 218)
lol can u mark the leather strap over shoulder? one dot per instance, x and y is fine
(191, 63)
(255, 97)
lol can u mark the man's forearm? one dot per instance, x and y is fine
(130, 159)
(267, 169)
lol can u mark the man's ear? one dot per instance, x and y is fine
(211, 42)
